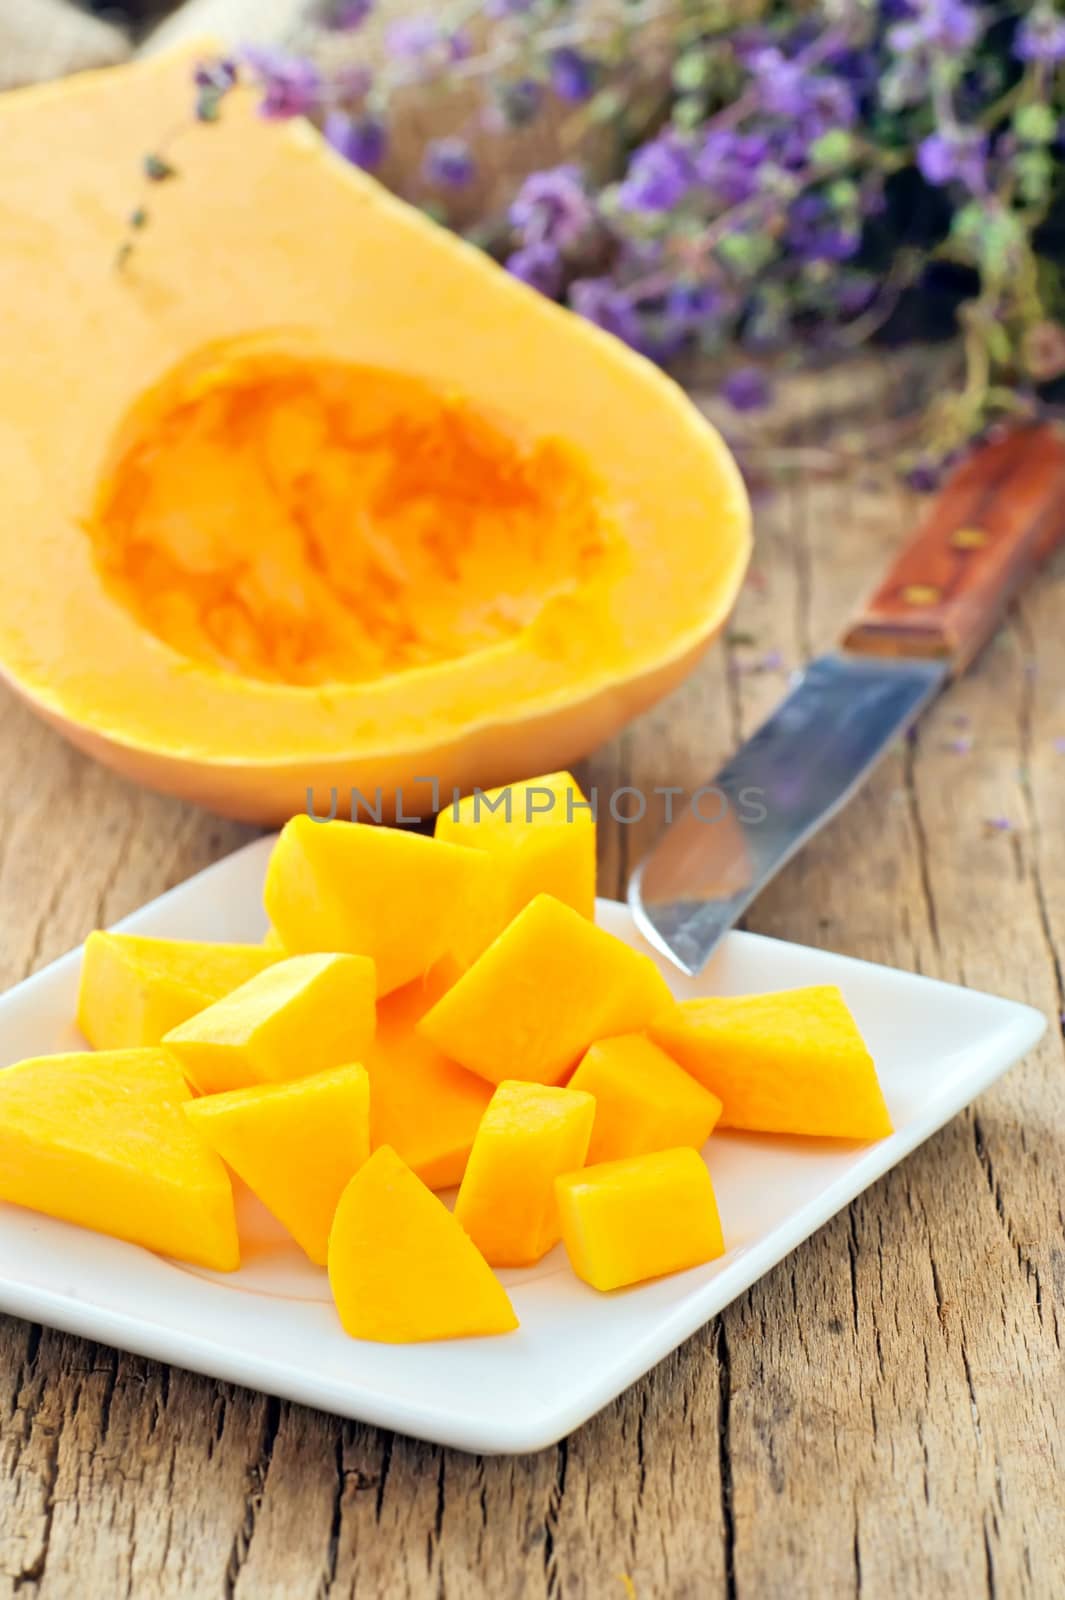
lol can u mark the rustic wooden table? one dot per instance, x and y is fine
(885, 1412)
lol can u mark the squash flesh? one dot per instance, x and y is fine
(385, 893)
(401, 1267)
(529, 1135)
(546, 989)
(626, 1221)
(101, 1140)
(300, 1016)
(306, 522)
(541, 838)
(133, 990)
(792, 1062)
(426, 1107)
(643, 1100)
(296, 1145)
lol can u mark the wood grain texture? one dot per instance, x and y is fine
(883, 1415)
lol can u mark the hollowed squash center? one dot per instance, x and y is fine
(304, 521)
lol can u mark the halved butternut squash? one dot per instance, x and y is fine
(319, 497)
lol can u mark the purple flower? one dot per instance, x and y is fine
(834, 244)
(218, 75)
(351, 82)
(448, 163)
(729, 164)
(519, 101)
(856, 293)
(925, 475)
(348, 15)
(947, 25)
(360, 140)
(291, 86)
(552, 207)
(959, 156)
(572, 75)
(831, 105)
(539, 265)
(599, 300)
(413, 38)
(806, 215)
(1041, 36)
(688, 305)
(781, 84)
(747, 389)
(659, 176)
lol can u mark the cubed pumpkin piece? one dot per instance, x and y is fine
(395, 896)
(547, 988)
(134, 990)
(421, 1103)
(300, 1016)
(296, 1145)
(780, 1063)
(541, 837)
(624, 1221)
(100, 1139)
(401, 1267)
(527, 1137)
(643, 1100)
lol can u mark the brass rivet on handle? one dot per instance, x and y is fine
(970, 538)
(921, 594)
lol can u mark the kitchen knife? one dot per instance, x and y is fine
(999, 515)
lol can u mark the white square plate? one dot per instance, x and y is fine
(272, 1325)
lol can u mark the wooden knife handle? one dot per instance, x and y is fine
(999, 515)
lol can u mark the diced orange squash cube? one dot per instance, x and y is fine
(395, 896)
(296, 1145)
(624, 1221)
(402, 1269)
(527, 1137)
(134, 989)
(541, 837)
(100, 1139)
(643, 1100)
(547, 988)
(300, 1016)
(423, 1105)
(780, 1063)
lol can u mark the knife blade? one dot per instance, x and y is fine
(996, 519)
